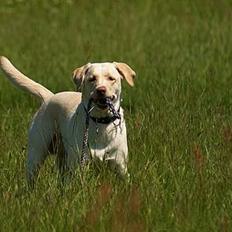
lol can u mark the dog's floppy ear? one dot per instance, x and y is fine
(126, 71)
(79, 74)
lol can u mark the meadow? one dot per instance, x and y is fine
(179, 114)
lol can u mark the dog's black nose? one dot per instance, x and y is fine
(101, 90)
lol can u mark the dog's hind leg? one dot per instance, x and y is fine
(36, 157)
(40, 136)
(61, 161)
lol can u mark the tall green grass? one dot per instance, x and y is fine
(179, 115)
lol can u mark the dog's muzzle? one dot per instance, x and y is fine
(103, 103)
(100, 99)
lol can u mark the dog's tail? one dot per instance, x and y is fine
(25, 83)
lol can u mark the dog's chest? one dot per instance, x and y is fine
(101, 135)
(104, 140)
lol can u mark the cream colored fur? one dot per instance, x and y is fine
(20, 80)
(64, 114)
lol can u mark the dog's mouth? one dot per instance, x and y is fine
(103, 102)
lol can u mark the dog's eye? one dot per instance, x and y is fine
(92, 79)
(111, 78)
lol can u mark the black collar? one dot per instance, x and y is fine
(105, 120)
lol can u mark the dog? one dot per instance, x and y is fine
(73, 124)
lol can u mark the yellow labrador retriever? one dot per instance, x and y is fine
(78, 125)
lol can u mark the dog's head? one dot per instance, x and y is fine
(99, 81)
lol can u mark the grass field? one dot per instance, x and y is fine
(179, 114)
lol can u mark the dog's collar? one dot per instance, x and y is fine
(105, 120)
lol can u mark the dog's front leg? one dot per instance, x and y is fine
(118, 163)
